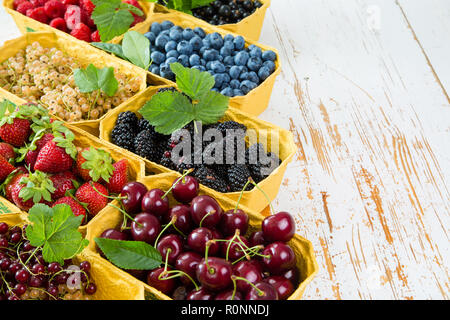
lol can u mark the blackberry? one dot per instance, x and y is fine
(123, 136)
(147, 147)
(238, 176)
(221, 12)
(230, 125)
(260, 163)
(221, 170)
(128, 118)
(167, 162)
(143, 124)
(171, 89)
(211, 179)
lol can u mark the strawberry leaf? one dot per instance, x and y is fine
(99, 164)
(37, 186)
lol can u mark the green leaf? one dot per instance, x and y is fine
(107, 82)
(192, 82)
(211, 107)
(92, 78)
(168, 112)
(136, 48)
(28, 29)
(111, 48)
(56, 231)
(6, 105)
(99, 164)
(38, 186)
(200, 3)
(111, 21)
(131, 8)
(130, 255)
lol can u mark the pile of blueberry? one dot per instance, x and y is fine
(237, 70)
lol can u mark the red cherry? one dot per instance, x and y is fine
(264, 291)
(214, 275)
(283, 286)
(232, 221)
(198, 239)
(201, 294)
(171, 242)
(186, 189)
(235, 252)
(188, 262)
(257, 239)
(292, 275)
(3, 228)
(279, 257)
(154, 203)
(249, 271)
(206, 205)
(145, 227)
(134, 191)
(164, 285)
(278, 227)
(114, 234)
(183, 217)
(228, 295)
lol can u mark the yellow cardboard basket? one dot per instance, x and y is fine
(26, 24)
(254, 102)
(253, 199)
(84, 54)
(249, 27)
(112, 218)
(111, 285)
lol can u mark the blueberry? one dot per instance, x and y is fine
(171, 45)
(256, 52)
(196, 43)
(216, 40)
(188, 34)
(177, 28)
(239, 43)
(243, 76)
(172, 54)
(229, 45)
(227, 92)
(225, 52)
(201, 68)
(229, 61)
(175, 34)
(235, 72)
(263, 73)
(224, 85)
(150, 36)
(184, 47)
(200, 32)
(202, 62)
(161, 41)
(226, 78)
(247, 86)
(208, 65)
(154, 69)
(158, 57)
(254, 63)
(228, 37)
(210, 55)
(217, 67)
(220, 58)
(270, 65)
(219, 80)
(168, 75)
(269, 55)
(165, 33)
(202, 51)
(241, 58)
(184, 60)
(194, 60)
(171, 60)
(206, 43)
(237, 92)
(253, 77)
(156, 28)
(166, 25)
(251, 47)
(235, 84)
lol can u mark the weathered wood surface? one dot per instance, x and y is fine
(365, 90)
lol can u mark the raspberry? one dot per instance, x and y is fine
(69, 2)
(38, 14)
(59, 23)
(24, 7)
(54, 9)
(72, 16)
(95, 36)
(137, 20)
(81, 32)
(16, 3)
(87, 7)
(38, 3)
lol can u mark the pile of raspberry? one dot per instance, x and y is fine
(71, 16)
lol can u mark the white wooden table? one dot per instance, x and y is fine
(365, 89)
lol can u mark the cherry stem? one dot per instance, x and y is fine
(208, 244)
(186, 172)
(166, 261)
(260, 292)
(242, 194)
(104, 195)
(265, 194)
(125, 214)
(205, 216)
(172, 222)
(179, 273)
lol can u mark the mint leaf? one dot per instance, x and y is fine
(211, 107)
(130, 255)
(56, 231)
(110, 20)
(192, 82)
(92, 79)
(136, 48)
(111, 48)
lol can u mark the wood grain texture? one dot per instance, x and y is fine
(370, 115)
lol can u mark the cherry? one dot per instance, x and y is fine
(15, 237)
(53, 291)
(171, 242)
(263, 291)
(233, 220)
(15, 229)
(156, 202)
(54, 267)
(85, 266)
(206, 205)
(235, 252)
(183, 220)
(278, 257)
(134, 192)
(36, 281)
(257, 239)
(228, 295)
(20, 289)
(198, 239)
(38, 268)
(90, 289)
(3, 242)
(188, 262)
(282, 285)
(22, 276)
(5, 264)
(249, 271)
(145, 227)
(27, 246)
(278, 227)
(186, 189)
(214, 273)
(114, 234)
(292, 275)
(160, 283)
(180, 293)
(200, 294)
(15, 267)
(3, 228)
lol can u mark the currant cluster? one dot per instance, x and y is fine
(221, 12)
(208, 253)
(46, 75)
(24, 275)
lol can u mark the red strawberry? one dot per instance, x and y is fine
(95, 37)
(38, 14)
(83, 173)
(5, 168)
(16, 3)
(15, 190)
(62, 183)
(59, 23)
(24, 7)
(38, 3)
(16, 133)
(81, 32)
(43, 141)
(54, 9)
(7, 151)
(119, 177)
(94, 200)
(94, 164)
(53, 159)
(72, 16)
(77, 208)
(30, 158)
(9, 185)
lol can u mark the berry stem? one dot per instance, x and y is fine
(125, 214)
(179, 273)
(164, 229)
(205, 216)
(108, 197)
(260, 292)
(265, 195)
(242, 193)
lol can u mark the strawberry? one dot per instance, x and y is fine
(95, 36)
(16, 133)
(59, 23)
(16, 3)
(24, 7)
(32, 188)
(62, 183)
(11, 181)
(7, 151)
(72, 16)
(95, 200)
(77, 209)
(38, 14)
(15, 190)
(94, 164)
(119, 177)
(5, 168)
(54, 9)
(81, 32)
(53, 159)
(30, 158)
(43, 141)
